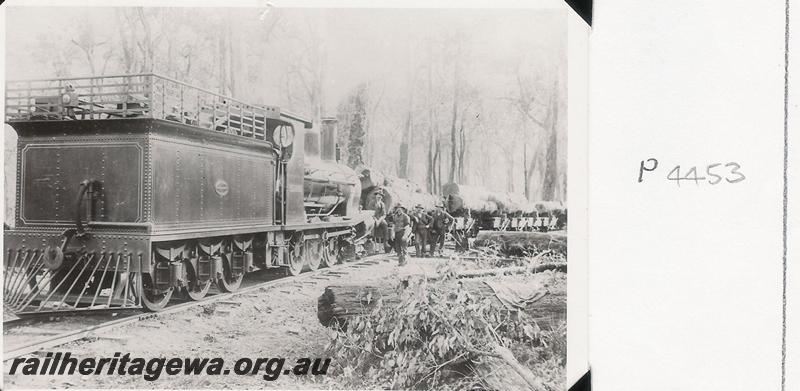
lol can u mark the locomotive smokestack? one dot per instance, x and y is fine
(328, 150)
(312, 138)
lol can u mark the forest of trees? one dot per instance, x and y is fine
(436, 96)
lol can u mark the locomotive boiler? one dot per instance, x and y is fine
(133, 188)
(329, 188)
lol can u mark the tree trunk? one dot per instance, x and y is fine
(231, 67)
(223, 80)
(453, 140)
(429, 175)
(402, 166)
(405, 146)
(462, 150)
(520, 243)
(453, 143)
(437, 160)
(340, 303)
(510, 177)
(504, 271)
(433, 129)
(550, 183)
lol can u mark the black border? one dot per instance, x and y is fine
(584, 383)
(583, 8)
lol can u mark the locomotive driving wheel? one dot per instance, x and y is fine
(330, 252)
(229, 282)
(296, 259)
(313, 254)
(195, 289)
(152, 299)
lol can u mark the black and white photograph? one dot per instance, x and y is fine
(474, 195)
(286, 198)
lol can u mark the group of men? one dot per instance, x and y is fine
(429, 227)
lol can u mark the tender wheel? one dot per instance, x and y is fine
(330, 253)
(151, 300)
(313, 254)
(196, 290)
(296, 259)
(229, 283)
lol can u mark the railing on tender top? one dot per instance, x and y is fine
(134, 96)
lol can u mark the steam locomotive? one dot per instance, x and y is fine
(133, 188)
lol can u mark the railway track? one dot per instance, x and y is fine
(89, 325)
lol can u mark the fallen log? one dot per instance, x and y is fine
(559, 267)
(523, 242)
(340, 303)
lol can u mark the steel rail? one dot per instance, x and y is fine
(76, 335)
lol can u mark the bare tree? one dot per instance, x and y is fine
(456, 124)
(406, 145)
(540, 108)
(433, 177)
(92, 47)
(453, 123)
(150, 39)
(127, 39)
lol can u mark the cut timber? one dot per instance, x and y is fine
(519, 243)
(559, 267)
(339, 303)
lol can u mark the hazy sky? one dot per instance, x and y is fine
(361, 44)
(378, 46)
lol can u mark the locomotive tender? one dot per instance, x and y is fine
(131, 188)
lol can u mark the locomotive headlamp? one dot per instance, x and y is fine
(70, 97)
(283, 136)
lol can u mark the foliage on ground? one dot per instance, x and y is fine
(441, 336)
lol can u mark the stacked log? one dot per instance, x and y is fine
(503, 202)
(479, 199)
(399, 191)
(520, 203)
(370, 178)
(476, 199)
(548, 208)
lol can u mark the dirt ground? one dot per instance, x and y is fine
(274, 322)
